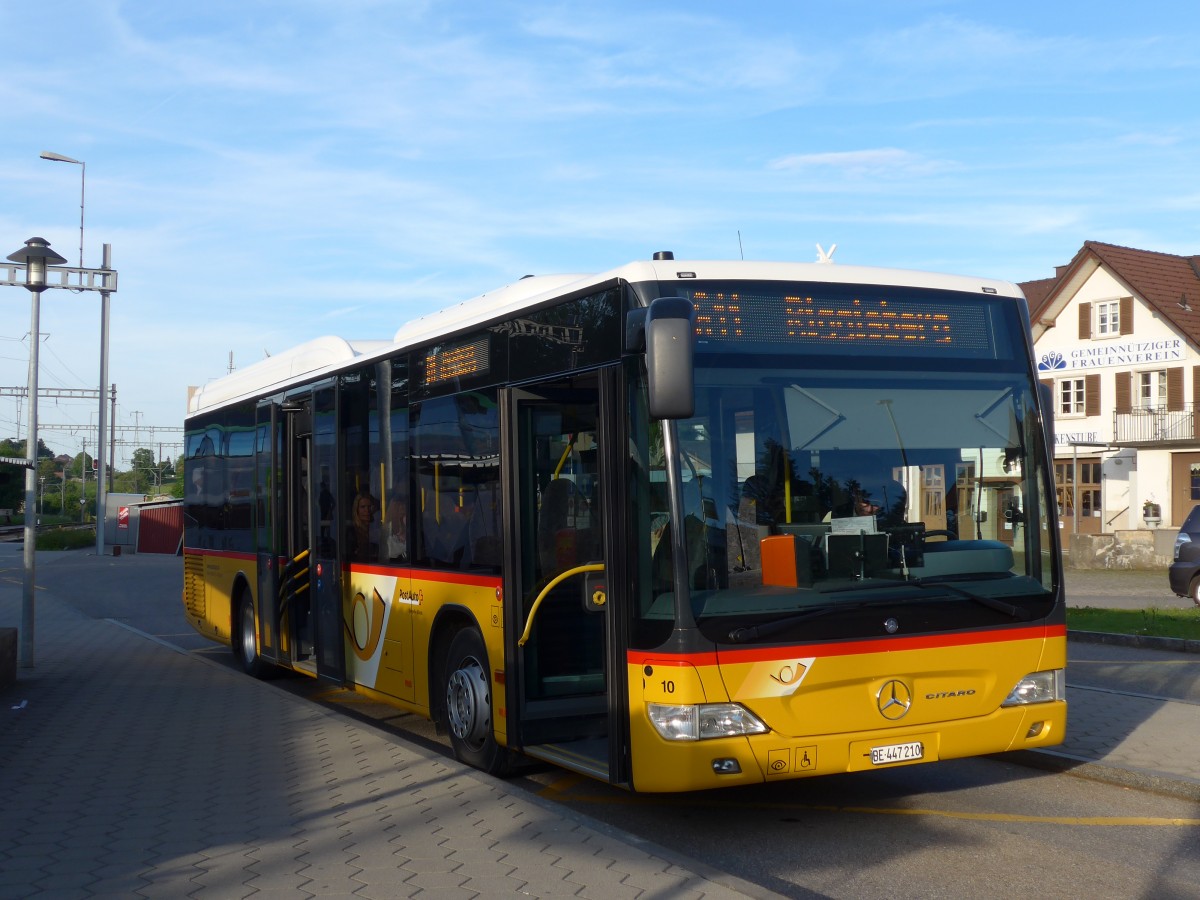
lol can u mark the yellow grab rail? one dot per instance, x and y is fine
(554, 582)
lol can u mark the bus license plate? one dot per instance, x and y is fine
(894, 753)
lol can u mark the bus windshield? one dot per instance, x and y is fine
(824, 495)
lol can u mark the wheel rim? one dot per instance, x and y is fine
(249, 639)
(467, 706)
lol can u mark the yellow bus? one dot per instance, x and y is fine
(679, 525)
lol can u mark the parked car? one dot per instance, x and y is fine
(1184, 573)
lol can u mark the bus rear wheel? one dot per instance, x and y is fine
(468, 697)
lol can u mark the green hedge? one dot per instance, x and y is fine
(66, 539)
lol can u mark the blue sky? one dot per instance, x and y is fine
(269, 172)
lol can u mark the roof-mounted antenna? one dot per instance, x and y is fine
(823, 257)
(741, 252)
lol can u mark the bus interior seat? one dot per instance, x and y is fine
(557, 539)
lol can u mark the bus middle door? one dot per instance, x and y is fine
(310, 589)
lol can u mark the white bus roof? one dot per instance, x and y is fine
(329, 354)
(533, 290)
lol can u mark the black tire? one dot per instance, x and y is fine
(466, 689)
(245, 638)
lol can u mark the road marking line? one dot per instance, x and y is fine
(1156, 697)
(1089, 821)
(1138, 662)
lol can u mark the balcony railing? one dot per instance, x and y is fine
(1155, 425)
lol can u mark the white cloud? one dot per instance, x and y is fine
(882, 161)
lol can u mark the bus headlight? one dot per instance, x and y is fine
(1038, 687)
(699, 722)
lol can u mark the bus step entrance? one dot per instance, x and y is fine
(294, 601)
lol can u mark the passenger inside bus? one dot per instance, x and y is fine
(397, 528)
(362, 537)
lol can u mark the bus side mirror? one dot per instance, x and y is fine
(670, 343)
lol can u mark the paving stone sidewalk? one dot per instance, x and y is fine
(128, 768)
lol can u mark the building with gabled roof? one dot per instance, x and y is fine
(1117, 339)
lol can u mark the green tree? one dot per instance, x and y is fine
(81, 460)
(144, 469)
(12, 486)
(12, 476)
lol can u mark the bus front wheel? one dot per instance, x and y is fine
(245, 638)
(468, 696)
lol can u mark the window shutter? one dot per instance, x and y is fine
(1195, 395)
(1091, 395)
(1126, 315)
(1124, 392)
(1175, 389)
(1085, 321)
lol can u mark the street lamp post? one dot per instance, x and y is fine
(35, 268)
(58, 157)
(35, 257)
(106, 264)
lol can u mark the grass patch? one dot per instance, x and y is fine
(1173, 623)
(67, 539)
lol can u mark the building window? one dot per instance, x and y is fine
(1071, 397)
(1108, 317)
(1082, 495)
(1152, 390)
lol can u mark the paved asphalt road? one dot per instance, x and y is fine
(1122, 589)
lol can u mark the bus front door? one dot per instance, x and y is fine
(558, 624)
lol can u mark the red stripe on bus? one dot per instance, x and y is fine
(492, 581)
(851, 648)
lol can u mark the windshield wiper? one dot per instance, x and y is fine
(766, 629)
(752, 632)
(1009, 609)
(940, 581)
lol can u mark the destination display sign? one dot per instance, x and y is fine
(458, 361)
(865, 321)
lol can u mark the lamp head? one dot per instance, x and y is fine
(58, 157)
(36, 256)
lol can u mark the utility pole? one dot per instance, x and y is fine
(83, 467)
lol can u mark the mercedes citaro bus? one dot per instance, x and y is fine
(679, 525)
